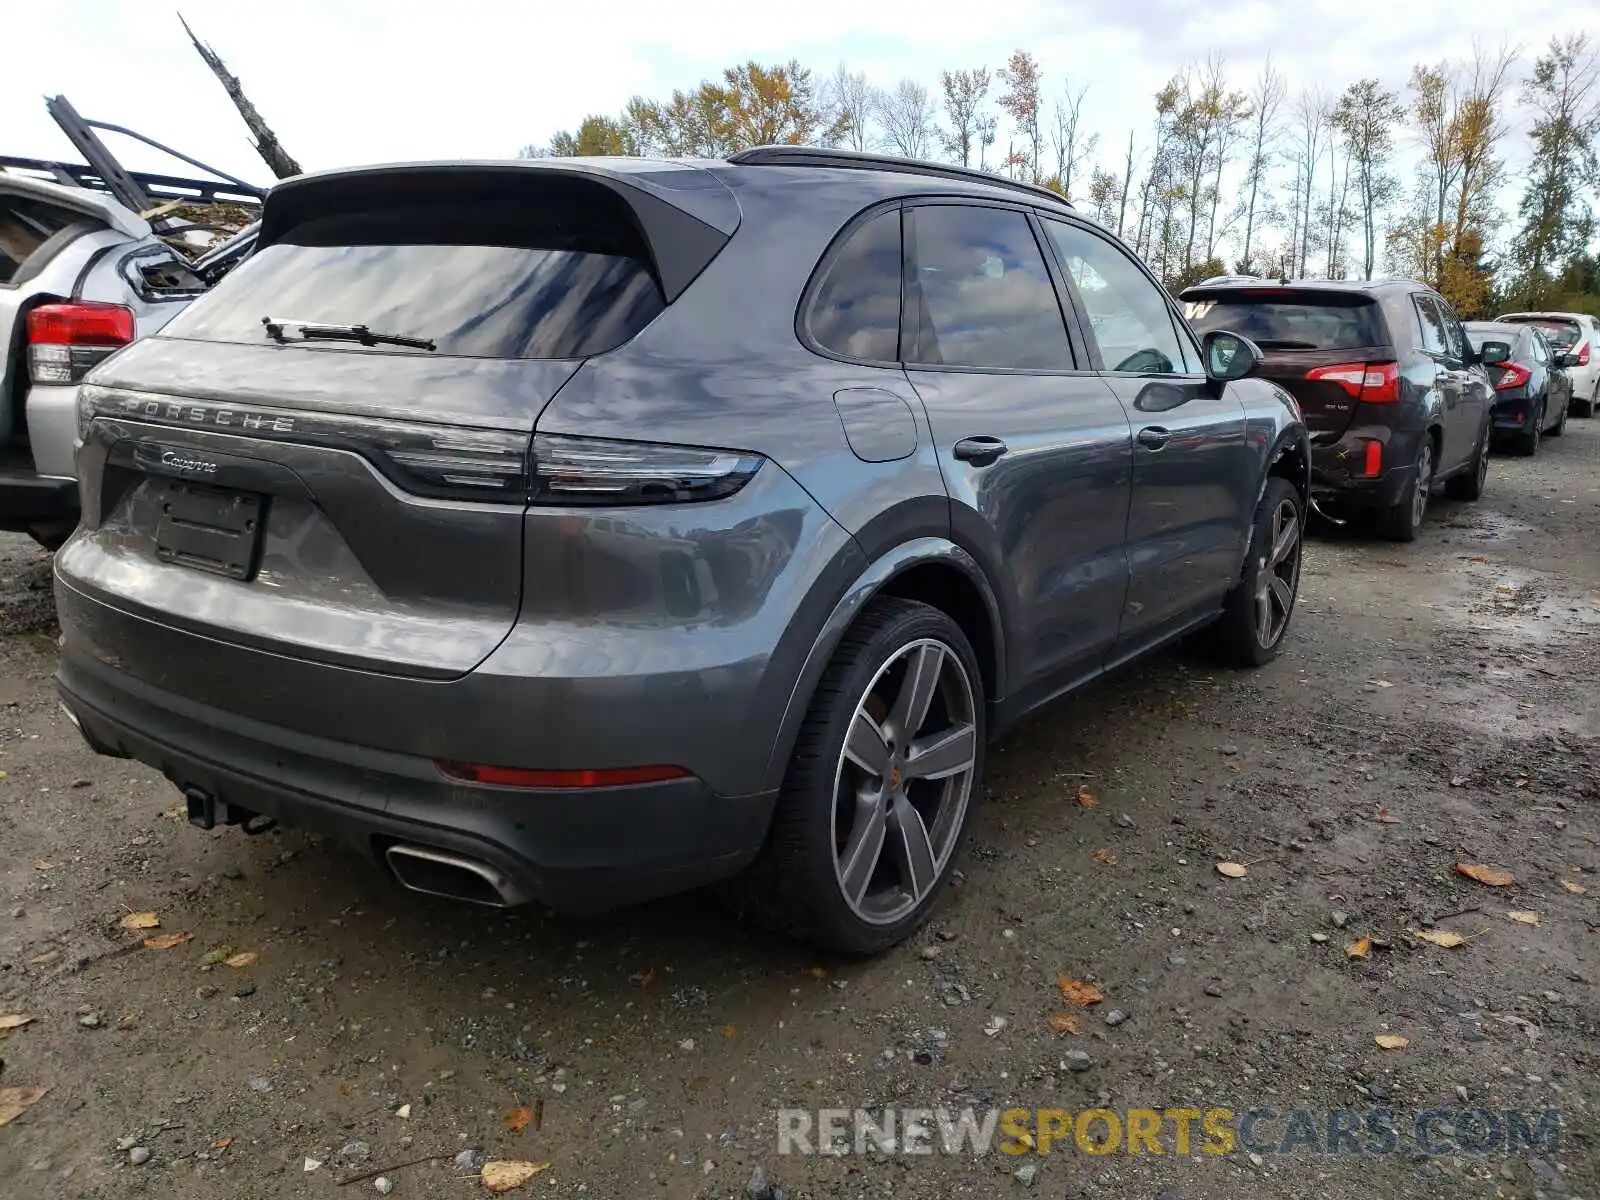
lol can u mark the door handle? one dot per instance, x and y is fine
(1153, 437)
(980, 451)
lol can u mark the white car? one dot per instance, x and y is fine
(80, 277)
(1576, 335)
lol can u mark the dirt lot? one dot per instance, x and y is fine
(1436, 703)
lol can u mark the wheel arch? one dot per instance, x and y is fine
(931, 570)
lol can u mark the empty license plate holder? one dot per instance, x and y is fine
(211, 529)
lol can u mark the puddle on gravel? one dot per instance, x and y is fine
(1486, 525)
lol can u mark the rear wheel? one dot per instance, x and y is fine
(880, 788)
(1586, 408)
(1527, 442)
(1255, 616)
(1401, 522)
(1468, 485)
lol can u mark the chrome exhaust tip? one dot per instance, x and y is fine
(454, 876)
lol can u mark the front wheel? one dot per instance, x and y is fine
(1401, 522)
(1560, 426)
(1469, 484)
(880, 788)
(1255, 616)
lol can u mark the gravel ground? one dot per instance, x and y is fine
(1436, 703)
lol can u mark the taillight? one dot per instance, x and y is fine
(66, 340)
(593, 471)
(1583, 355)
(1371, 383)
(1512, 375)
(532, 777)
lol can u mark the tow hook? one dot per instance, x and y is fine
(207, 812)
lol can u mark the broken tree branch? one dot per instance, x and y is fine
(266, 143)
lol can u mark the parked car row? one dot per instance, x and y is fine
(579, 532)
(1400, 396)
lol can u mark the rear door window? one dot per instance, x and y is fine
(985, 295)
(480, 280)
(1287, 324)
(855, 310)
(1435, 339)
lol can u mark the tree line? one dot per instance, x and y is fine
(1225, 175)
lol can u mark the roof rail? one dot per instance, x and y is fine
(821, 156)
(157, 188)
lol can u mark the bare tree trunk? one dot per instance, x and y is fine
(267, 144)
(1127, 179)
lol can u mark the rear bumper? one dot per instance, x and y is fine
(1339, 469)
(1513, 412)
(28, 499)
(579, 850)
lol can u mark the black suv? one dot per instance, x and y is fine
(1396, 399)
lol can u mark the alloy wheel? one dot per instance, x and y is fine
(1278, 576)
(904, 781)
(1419, 498)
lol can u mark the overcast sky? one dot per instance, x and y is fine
(353, 81)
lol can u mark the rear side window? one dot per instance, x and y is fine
(856, 309)
(25, 225)
(1282, 324)
(985, 295)
(481, 280)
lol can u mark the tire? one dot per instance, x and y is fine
(1256, 615)
(1526, 443)
(1469, 484)
(1401, 522)
(1560, 426)
(1585, 408)
(831, 804)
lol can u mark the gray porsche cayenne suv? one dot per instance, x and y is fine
(581, 531)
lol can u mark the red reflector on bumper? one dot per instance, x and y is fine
(1373, 464)
(529, 777)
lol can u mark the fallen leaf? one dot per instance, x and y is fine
(16, 1020)
(1380, 683)
(1360, 948)
(643, 978)
(1075, 991)
(1577, 889)
(45, 959)
(222, 1143)
(1392, 1041)
(242, 960)
(817, 972)
(1065, 1022)
(1492, 876)
(1477, 558)
(1387, 817)
(698, 1083)
(175, 814)
(166, 941)
(1519, 782)
(517, 1119)
(1105, 857)
(501, 1175)
(40, 864)
(1232, 870)
(1523, 918)
(140, 920)
(730, 1031)
(1086, 797)
(216, 956)
(1447, 938)
(14, 1101)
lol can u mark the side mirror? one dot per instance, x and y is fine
(1229, 356)
(1494, 353)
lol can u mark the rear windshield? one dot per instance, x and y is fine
(1478, 336)
(489, 281)
(25, 225)
(1291, 325)
(1558, 332)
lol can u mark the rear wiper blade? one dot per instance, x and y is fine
(278, 330)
